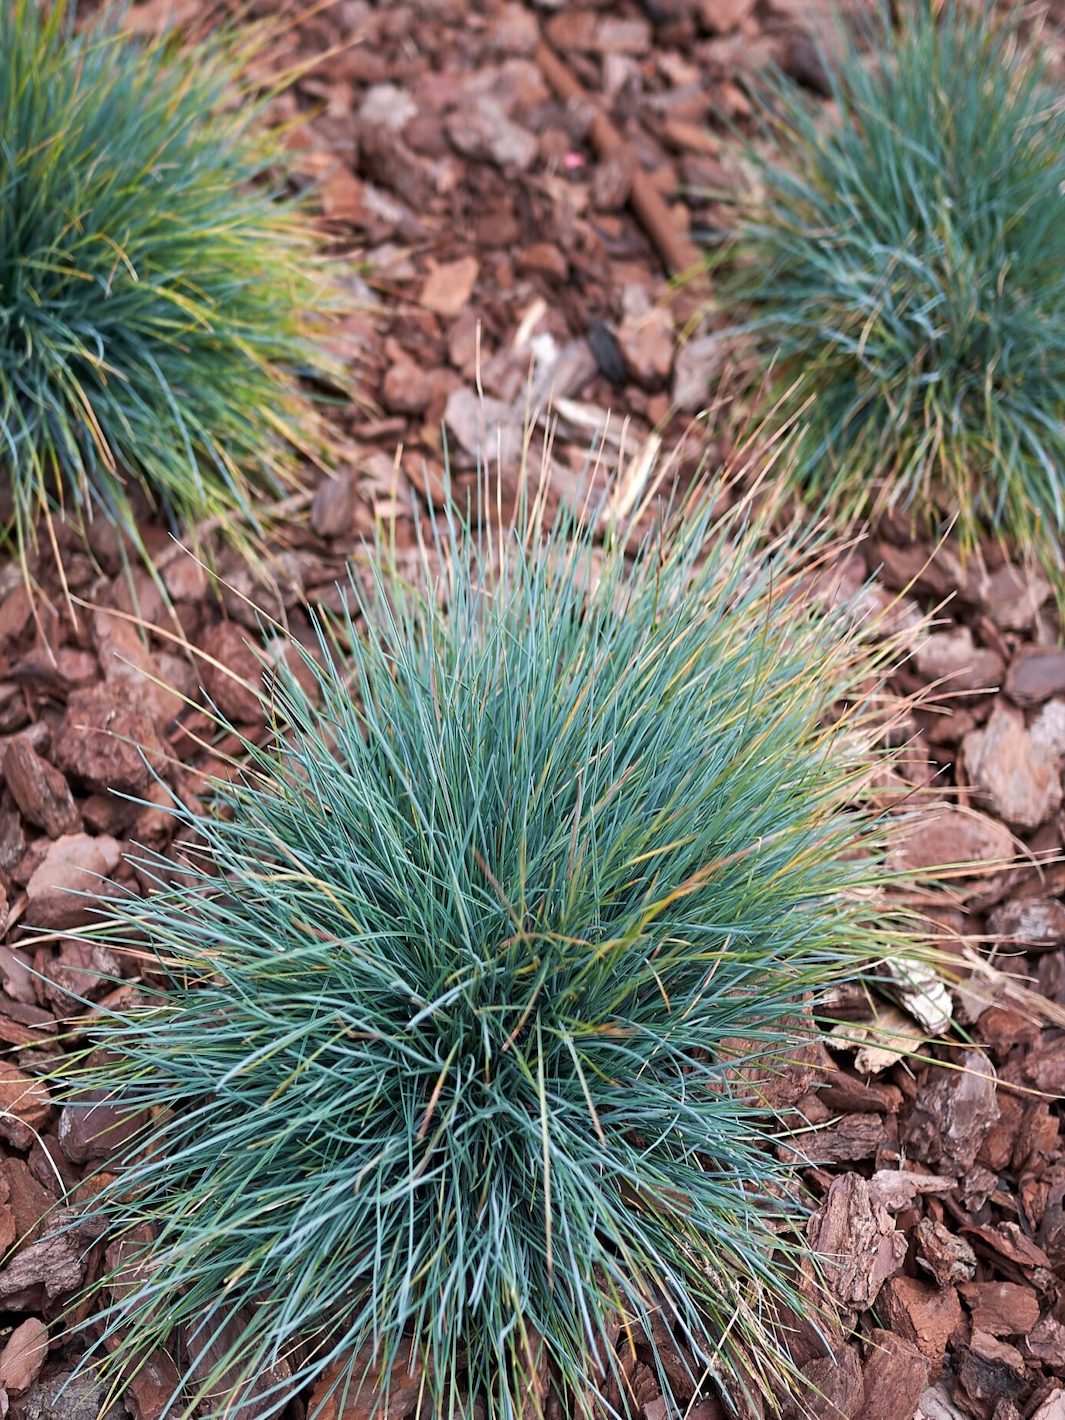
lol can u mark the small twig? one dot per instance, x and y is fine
(679, 254)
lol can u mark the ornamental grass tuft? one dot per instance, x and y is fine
(904, 268)
(155, 291)
(449, 1030)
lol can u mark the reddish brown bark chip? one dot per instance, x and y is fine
(1001, 1028)
(51, 1267)
(232, 673)
(107, 743)
(185, 576)
(895, 1375)
(1034, 923)
(1038, 1139)
(991, 1370)
(39, 789)
(953, 658)
(1013, 774)
(26, 1200)
(406, 388)
(953, 1114)
(1052, 1226)
(921, 568)
(447, 288)
(218, 1367)
(856, 1240)
(333, 510)
(1014, 595)
(152, 1389)
(1001, 1308)
(361, 1401)
(1046, 1342)
(925, 1315)
(80, 971)
(24, 1106)
(856, 1136)
(1046, 1067)
(65, 886)
(843, 1092)
(9, 1232)
(1007, 1241)
(1035, 675)
(94, 1128)
(944, 1254)
(648, 344)
(15, 612)
(943, 835)
(720, 16)
(23, 1356)
(835, 1389)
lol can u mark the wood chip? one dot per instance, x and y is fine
(23, 1356)
(897, 1188)
(40, 791)
(944, 1254)
(1001, 1308)
(927, 1316)
(857, 1241)
(953, 1114)
(991, 1370)
(336, 1398)
(448, 288)
(1007, 1241)
(836, 1390)
(896, 1374)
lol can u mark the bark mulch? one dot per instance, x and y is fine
(495, 225)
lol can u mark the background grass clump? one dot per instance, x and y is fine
(155, 293)
(444, 1050)
(904, 267)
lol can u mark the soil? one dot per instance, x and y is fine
(505, 247)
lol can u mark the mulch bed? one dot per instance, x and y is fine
(490, 232)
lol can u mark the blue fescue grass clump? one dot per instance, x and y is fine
(904, 265)
(446, 1034)
(155, 293)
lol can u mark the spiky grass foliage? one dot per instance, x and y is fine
(905, 262)
(154, 293)
(450, 1042)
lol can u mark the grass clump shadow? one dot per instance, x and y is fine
(447, 1035)
(157, 294)
(903, 266)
